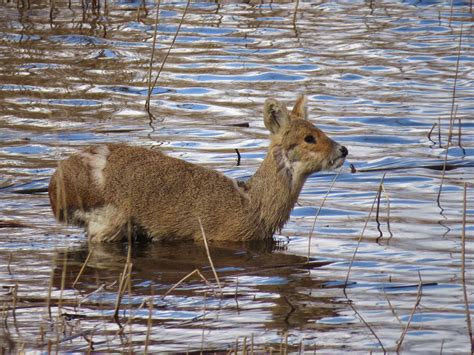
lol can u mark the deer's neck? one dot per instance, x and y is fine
(274, 189)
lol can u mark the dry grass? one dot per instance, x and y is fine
(362, 234)
(463, 269)
(319, 211)
(151, 85)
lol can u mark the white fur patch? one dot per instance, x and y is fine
(104, 223)
(96, 161)
(282, 160)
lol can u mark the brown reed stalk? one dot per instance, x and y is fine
(377, 212)
(463, 269)
(41, 334)
(456, 74)
(362, 235)
(459, 131)
(84, 299)
(153, 48)
(387, 197)
(84, 264)
(118, 299)
(14, 307)
(203, 320)
(319, 211)
(238, 157)
(90, 348)
(10, 258)
(50, 288)
(4, 318)
(439, 132)
(451, 13)
(51, 11)
(128, 284)
(196, 271)
(295, 12)
(140, 8)
(236, 295)
(236, 347)
(209, 257)
(14, 303)
(382, 189)
(149, 321)
(368, 326)
(452, 118)
(431, 131)
(63, 281)
(284, 344)
(419, 294)
(391, 308)
(151, 87)
(121, 291)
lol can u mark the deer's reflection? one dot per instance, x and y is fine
(248, 273)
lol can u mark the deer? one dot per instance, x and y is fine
(116, 190)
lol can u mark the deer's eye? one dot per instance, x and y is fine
(310, 139)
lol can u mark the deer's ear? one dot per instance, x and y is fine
(275, 116)
(300, 110)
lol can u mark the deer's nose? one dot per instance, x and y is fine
(344, 151)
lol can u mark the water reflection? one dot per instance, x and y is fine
(264, 289)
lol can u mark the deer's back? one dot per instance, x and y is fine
(161, 196)
(167, 196)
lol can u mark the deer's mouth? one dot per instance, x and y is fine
(337, 162)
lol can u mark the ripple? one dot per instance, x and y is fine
(269, 76)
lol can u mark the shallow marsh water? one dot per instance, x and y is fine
(379, 77)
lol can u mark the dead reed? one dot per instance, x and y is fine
(295, 12)
(463, 269)
(452, 118)
(63, 281)
(319, 211)
(84, 264)
(50, 289)
(377, 213)
(368, 326)
(391, 308)
(163, 62)
(376, 198)
(209, 257)
(122, 285)
(152, 56)
(197, 272)
(362, 234)
(149, 322)
(419, 294)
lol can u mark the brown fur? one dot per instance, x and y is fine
(116, 189)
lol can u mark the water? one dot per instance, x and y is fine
(379, 78)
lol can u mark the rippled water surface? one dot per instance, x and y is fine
(391, 80)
